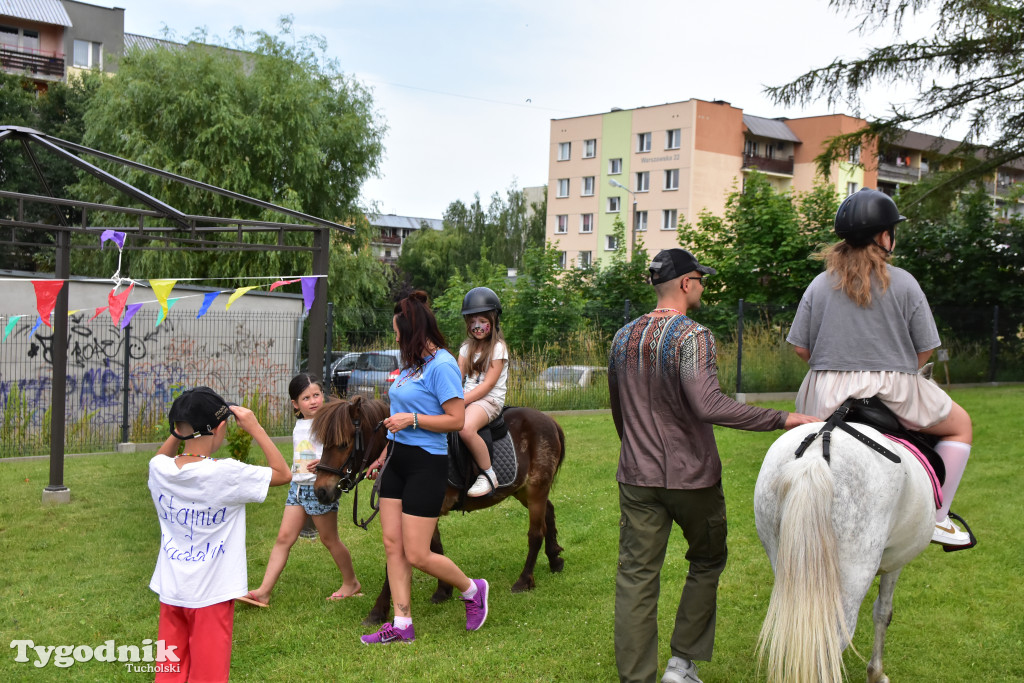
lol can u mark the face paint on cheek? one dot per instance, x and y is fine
(481, 328)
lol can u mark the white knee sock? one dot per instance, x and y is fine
(470, 592)
(954, 456)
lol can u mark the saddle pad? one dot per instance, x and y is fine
(503, 461)
(932, 477)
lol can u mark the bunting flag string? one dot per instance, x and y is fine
(121, 312)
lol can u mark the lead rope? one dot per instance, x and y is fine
(375, 492)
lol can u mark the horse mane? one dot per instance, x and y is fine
(332, 424)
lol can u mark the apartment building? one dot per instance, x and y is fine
(653, 166)
(394, 230)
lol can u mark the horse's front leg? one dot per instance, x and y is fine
(444, 590)
(882, 615)
(380, 610)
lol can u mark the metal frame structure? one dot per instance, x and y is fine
(186, 232)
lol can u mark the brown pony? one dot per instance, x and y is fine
(352, 440)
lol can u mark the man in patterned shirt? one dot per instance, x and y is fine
(663, 380)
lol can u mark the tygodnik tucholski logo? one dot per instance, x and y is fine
(134, 657)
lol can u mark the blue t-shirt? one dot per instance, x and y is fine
(423, 392)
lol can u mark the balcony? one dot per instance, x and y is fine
(899, 174)
(387, 239)
(18, 60)
(766, 165)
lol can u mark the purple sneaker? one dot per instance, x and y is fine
(476, 607)
(390, 634)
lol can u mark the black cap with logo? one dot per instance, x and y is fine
(202, 408)
(672, 263)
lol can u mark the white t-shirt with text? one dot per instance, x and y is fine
(201, 510)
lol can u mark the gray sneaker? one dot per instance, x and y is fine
(680, 670)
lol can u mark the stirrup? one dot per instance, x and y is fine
(967, 528)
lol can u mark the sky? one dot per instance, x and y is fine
(467, 90)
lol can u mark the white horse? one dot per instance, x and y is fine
(828, 528)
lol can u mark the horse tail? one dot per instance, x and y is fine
(561, 442)
(805, 629)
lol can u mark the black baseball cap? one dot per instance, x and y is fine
(672, 263)
(202, 408)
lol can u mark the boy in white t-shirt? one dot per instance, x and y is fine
(200, 504)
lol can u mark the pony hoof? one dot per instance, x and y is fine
(522, 585)
(557, 564)
(440, 596)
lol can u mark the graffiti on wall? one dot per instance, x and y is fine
(236, 356)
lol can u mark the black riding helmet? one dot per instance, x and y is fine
(480, 299)
(866, 213)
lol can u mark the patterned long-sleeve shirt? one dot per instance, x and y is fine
(663, 379)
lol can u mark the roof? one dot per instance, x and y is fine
(133, 40)
(769, 128)
(390, 220)
(43, 11)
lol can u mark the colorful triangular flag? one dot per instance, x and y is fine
(237, 295)
(10, 325)
(162, 289)
(116, 302)
(308, 291)
(162, 315)
(46, 297)
(129, 313)
(280, 283)
(114, 236)
(99, 310)
(39, 321)
(207, 301)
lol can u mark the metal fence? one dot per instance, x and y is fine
(120, 382)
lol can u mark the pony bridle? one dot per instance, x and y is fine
(348, 479)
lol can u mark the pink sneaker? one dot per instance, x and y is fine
(476, 607)
(389, 634)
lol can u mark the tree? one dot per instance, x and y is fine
(616, 280)
(762, 247)
(970, 69)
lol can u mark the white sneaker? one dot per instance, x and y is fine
(482, 486)
(947, 533)
(680, 670)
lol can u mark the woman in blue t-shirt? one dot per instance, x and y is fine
(426, 404)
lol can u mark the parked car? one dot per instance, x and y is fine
(374, 373)
(559, 377)
(334, 356)
(341, 370)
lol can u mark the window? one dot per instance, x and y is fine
(561, 259)
(643, 142)
(672, 139)
(614, 166)
(850, 188)
(769, 150)
(610, 244)
(87, 55)
(643, 181)
(855, 154)
(613, 204)
(586, 259)
(589, 149)
(668, 219)
(588, 186)
(19, 37)
(672, 179)
(561, 224)
(586, 222)
(564, 151)
(563, 187)
(640, 221)
(750, 148)
(8, 36)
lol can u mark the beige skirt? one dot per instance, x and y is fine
(916, 400)
(489, 406)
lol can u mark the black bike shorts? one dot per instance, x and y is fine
(417, 478)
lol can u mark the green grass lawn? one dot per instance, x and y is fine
(78, 574)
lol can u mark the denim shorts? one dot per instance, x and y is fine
(302, 494)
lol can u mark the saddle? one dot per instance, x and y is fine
(873, 413)
(463, 470)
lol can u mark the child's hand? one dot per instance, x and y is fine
(246, 418)
(311, 467)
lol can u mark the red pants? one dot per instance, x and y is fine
(203, 639)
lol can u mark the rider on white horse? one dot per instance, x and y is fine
(865, 329)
